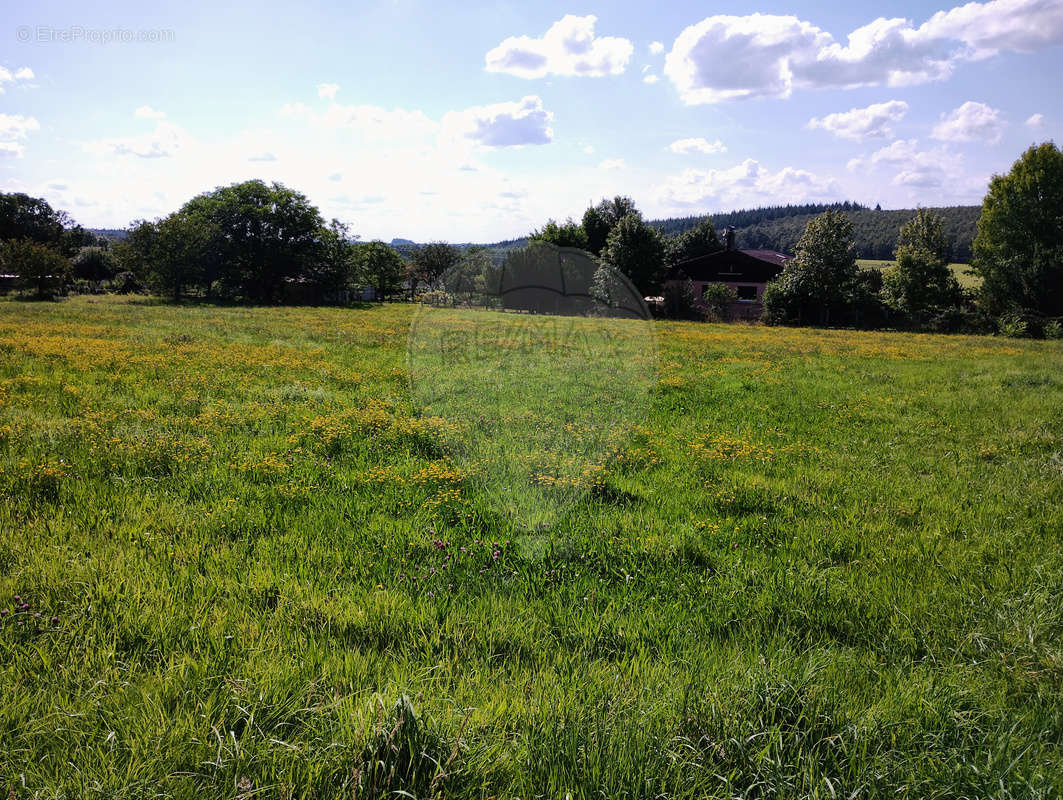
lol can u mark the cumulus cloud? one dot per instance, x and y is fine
(885, 51)
(19, 77)
(166, 141)
(147, 112)
(764, 55)
(970, 122)
(873, 122)
(612, 163)
(328, 90)
(999, 25)
(16, 126)
(651, 78)
(913, 167)
(729, 58)
(502, 124)
(569, 47)
(656, 48)
(697, 145)
(745, 184)
(1036, 121)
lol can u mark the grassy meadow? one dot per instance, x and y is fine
(962, 271)
(254, 557)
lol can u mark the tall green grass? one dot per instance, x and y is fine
(819, 563)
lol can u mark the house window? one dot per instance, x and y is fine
(747, 294)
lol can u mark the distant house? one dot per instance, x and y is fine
(748, 272)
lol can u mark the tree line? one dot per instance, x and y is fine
(266, 243)
(252, 242)
(1017, 252)
(779, 228)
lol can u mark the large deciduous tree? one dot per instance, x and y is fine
(333, 268)
(176, 253)
(38, 266)
(25, 217)
(1018, 250)
(635, 249)
(564, 234)
(921, 280)
(692, 243)
(381, 267)
(596, 225)
(263, 235)
(431, 262)
(819, 282)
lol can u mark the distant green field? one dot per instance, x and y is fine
(269, 563)
(960, 270)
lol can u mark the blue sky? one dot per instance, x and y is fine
(478, 122)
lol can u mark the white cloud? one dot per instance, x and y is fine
(498, 125)
(745, 184)
(501, 124)
(970, 122)
(19, 76)
(918, 169)
(328, 90)
(999, 25)
(1036, 121)
(16, 126)
(764, 55)
(697, 145)
(11, 150)
(656, 48)
(729, 58)
(873, 122)
(147, 112)
(650, 79)
(589, 149)
(166, 141)
(370, 122)
(612, 163)
(885, 51)
(568, 48)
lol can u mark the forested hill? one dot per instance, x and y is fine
(875, 231)
(774, 228)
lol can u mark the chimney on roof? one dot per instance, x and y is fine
(729, 237)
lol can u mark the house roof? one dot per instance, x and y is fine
(732, 266)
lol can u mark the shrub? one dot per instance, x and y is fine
(93, 264)
(717, 299)
(125, 283)
(959, 320)
(435, 297)
(1015, 325)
